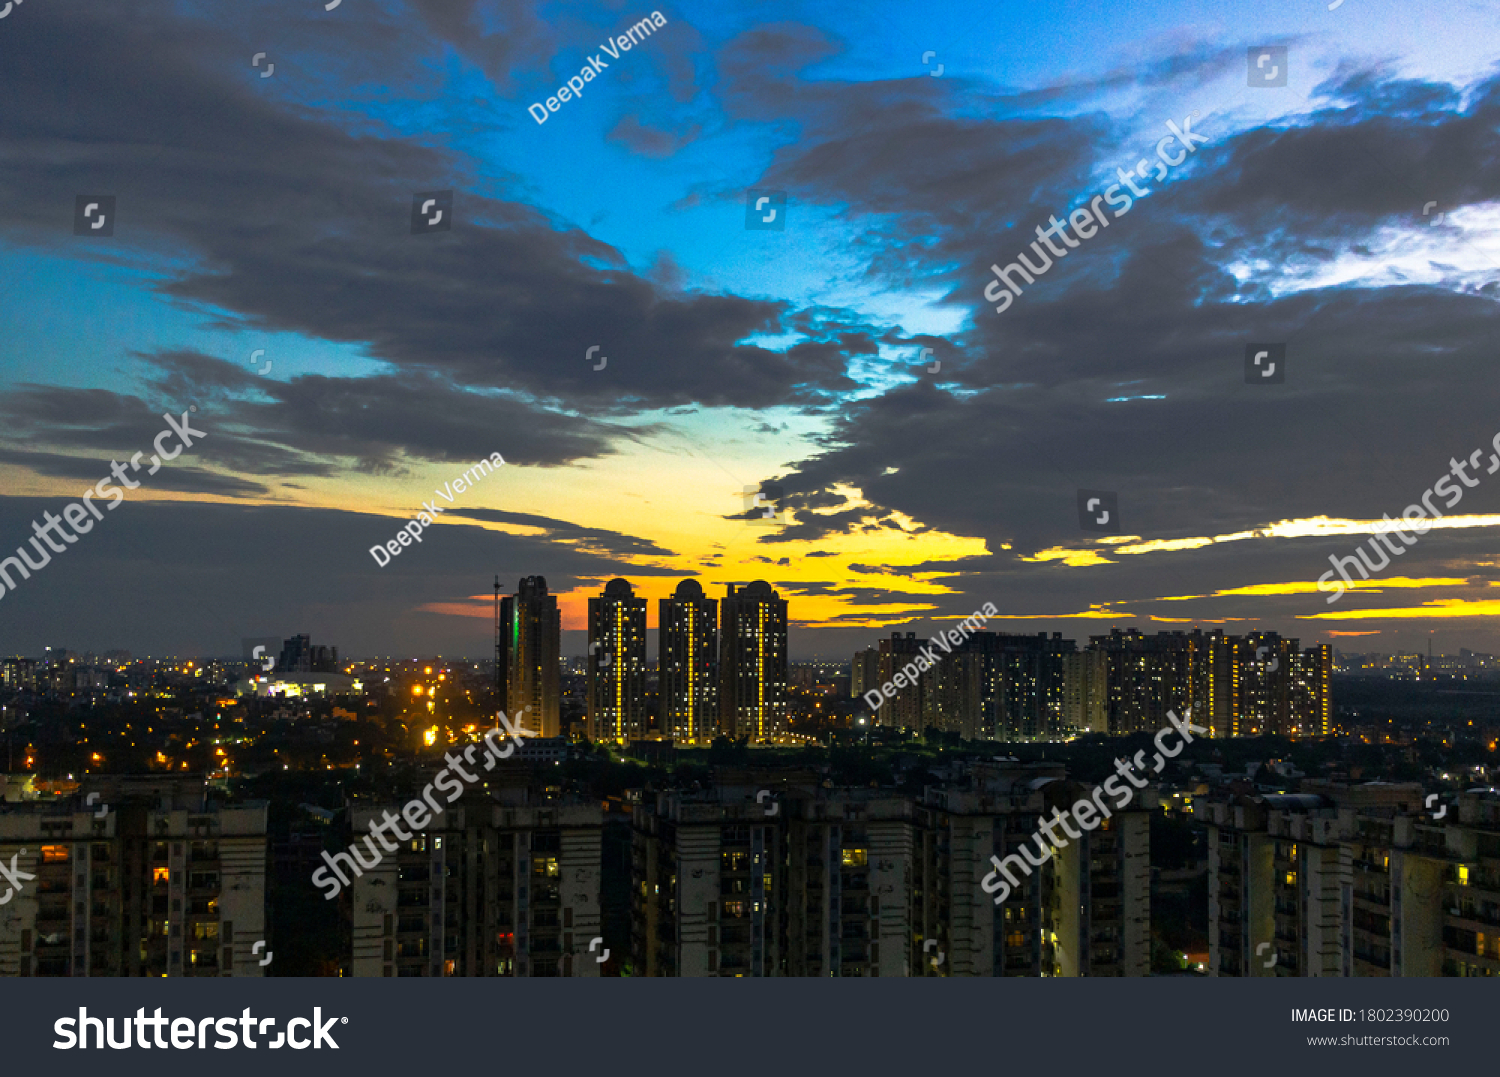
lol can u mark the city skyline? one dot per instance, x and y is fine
(573, 646)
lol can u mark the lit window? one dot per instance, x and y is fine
(52, 854)
(856, 858)
(545, 865)
(158, 875)
(1463, 875)
(1291, 878)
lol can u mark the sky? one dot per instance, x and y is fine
(266, 162)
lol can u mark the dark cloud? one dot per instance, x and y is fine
(119, 425)
(498, 37)
(310, 425)
(1052, 395)
(178, 478)
(592, 539)
(172, 577)
(293, 220)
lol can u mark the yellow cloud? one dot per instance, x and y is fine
(1311, 527)
(1299, 588)
(1437, 608)
(1157, 545)
(1071, 558)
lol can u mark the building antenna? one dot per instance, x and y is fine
(498, 671)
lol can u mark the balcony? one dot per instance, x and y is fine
(1484, 916)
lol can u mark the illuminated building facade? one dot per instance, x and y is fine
(18, 673)
(1021, 682)
(753, 663)
(688, 663)
(501, 884)
(953, 695)
(848, 894)
(1353, 880)
(616, 665)
(1085, 912)
(774, 874)
(1237, 686)
(1311, 696)
(531, 632)
(707, 868)
(1146, 676)
(864, 672)
(993, 686)
(904, 711)
(1085, 680)
(163, 885)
